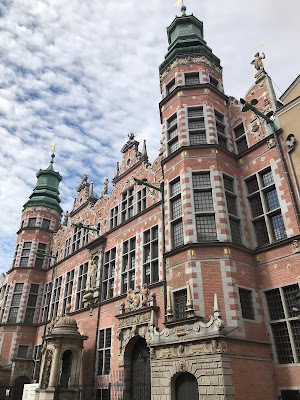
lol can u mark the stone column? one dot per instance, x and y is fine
(54, 368)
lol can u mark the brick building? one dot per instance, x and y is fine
(185, 283)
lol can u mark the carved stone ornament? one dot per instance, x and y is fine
(138, 298)
(182, 366)
(271, 143)
(296, 246)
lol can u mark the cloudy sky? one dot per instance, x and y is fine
(85, 73)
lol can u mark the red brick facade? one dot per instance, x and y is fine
(226, 224)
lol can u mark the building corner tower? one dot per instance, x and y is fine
(41, 217)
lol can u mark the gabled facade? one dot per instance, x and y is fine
(183, 280)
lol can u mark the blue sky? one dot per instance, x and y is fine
(85, 73)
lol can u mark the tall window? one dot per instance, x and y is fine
(114, 212)
(221, 129)
(85, 237)
(31, 303)
(55, 297)
(284, 323)
(240, 138)
(37, 361)
(234, 221)
(104, 351)
(192, 78)
(67, 247)
(196, 126)
(213, 81)
(103, 394)
(141, 200)
(246, 301)
(68, 290)
(172, 134)
(204, 209)
(265, 208)
(171, 86)
(127, 204)
(46, 223)
(46, 302)
(128, 265)
(31, 222)
(109, 268)
(180, 300)
(15, 303)
(15, 256)
(81, 285)
(4, 294)
(176, 213)
(25, 254)
(150, 256)
(76, 238)
(39, 258)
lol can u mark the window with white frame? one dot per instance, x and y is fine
(37, 361)
(150, 255)
(180, 300)
(128, 265)
(46, 223)
(31, 222)
(176, 213)
(76, 238)
(109, 269)
(67, 247)
(45, 302)
(103, 394)
(221, 129)
(172, 134)
(31, 303)
(68, 290)
(104, 351)
(213, 81)
(204, 208)
(246, 301)
(265, 208)
(15, 303)
(40, 255)
(55, 297)
(196, 124)
(240, 138)
(141, 200)
(25, 254)
(4, 294)
(127, 204)
(284, 322)
(231, 201)
(114, 212)
(192, 78)
(15, 256)
(171, 86)
(81, 285)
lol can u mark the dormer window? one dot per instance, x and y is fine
(214, 82)
(171, 86)
(192, 79)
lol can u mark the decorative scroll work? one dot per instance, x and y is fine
(189, 60)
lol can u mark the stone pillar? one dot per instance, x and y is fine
(54, 368)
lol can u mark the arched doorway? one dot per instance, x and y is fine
(140, 377)
(16, 392)
(186, 387)
(65, 369)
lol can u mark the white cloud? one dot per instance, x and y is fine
(86, 73)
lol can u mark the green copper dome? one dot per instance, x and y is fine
(46, 191)
(185, 36)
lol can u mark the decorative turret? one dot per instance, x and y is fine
(46, 191)
(185, 36)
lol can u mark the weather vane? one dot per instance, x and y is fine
(183, 7)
